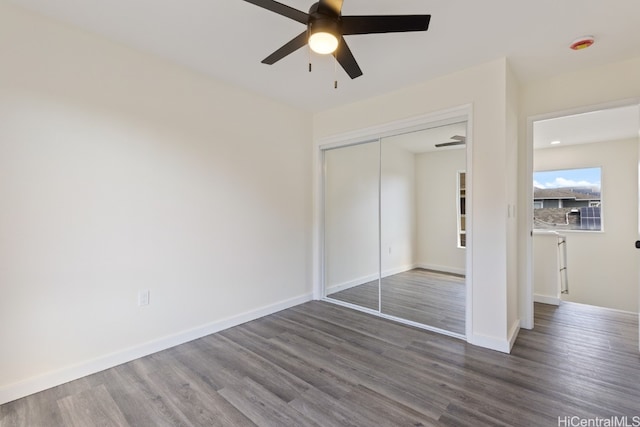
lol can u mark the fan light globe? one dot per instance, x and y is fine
(323, 42)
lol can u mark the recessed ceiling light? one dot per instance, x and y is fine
(556, 142)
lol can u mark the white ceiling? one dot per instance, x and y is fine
(227, 39)
(597, 126)
(604, 125)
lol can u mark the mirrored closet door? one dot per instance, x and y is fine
(392, 227)
(423, 264)
(352, 224)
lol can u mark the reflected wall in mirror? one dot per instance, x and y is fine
(351, 229)
(392, 226)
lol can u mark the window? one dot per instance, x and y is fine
(567, 199)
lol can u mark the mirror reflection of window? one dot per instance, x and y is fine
(462, 210)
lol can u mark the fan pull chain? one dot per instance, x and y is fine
(335, 71)
(309, 53)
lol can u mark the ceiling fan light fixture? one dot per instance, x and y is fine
(323, 35)
(323, 42)
(326, 28)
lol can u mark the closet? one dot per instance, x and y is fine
(394, 227)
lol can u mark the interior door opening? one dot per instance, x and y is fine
(585, 204)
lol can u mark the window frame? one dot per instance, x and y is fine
(589, 204)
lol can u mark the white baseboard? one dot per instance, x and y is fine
(497, 344)
(444, 269)
(24, 388)
(524, 324)
(513, 333)
(492, 343)
(546, 299)
(617, 310)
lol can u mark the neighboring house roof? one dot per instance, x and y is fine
(564, 194)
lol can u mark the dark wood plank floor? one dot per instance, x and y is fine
(320, 364)
(424, 296)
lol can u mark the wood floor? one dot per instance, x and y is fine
(424, 296)
(320, 364)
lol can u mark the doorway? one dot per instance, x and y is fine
(586, 195)
(394, 211)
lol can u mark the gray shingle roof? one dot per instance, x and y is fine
(564, 193)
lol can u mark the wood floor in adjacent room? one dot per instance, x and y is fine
(429, 297)
(320, 364)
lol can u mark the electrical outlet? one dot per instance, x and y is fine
(143, 297)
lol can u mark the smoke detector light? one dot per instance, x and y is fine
(582, 43)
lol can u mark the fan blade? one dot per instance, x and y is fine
(384, 24)
(295, 44)
(450, 144)
(347, 61)
(330, 7)
(282, 9)
(459, 138)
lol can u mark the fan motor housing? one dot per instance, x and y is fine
(322, 23)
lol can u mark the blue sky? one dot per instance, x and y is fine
(588, 177)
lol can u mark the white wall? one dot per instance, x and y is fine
(436, 195)
(570, 92)
(485, 87)
(603, 267)
(121, 172)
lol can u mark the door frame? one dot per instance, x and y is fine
(526, 297)
(463, 112)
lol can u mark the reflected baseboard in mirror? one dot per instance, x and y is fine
(428, 297)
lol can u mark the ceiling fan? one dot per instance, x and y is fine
(326, 27)
(457, 140)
